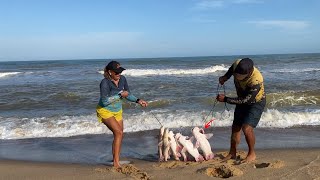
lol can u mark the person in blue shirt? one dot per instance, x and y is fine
(113, 90)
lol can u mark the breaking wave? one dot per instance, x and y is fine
(5, 74)
(295, 70)
(175, 72)
(65, 126)
(293, 98)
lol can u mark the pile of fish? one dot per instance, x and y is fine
(177, 145)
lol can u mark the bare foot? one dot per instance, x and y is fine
(229, 156)
(250, 158)
(116, 165)
(161, 159)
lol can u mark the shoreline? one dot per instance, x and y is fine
(96, 149)
(270, 164)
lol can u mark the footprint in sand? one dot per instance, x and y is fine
(276, 164)
(222, 171)
(129, 170)
(241, 155)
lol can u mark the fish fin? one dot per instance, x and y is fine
(183, 153)
(183, 150)
(191, 139)
(197, 145)
(178, 154)
(209, 135)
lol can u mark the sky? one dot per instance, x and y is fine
(104, 29)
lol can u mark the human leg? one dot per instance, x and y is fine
(251, 140)
(251, 121)
(236, 132)
(117, 131)
(121, 126)
(235, 140)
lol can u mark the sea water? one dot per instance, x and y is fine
(57, 99)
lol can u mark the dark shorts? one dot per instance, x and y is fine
(249, 114)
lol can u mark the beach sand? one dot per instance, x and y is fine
(270, 164)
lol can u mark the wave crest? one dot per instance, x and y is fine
(173, 71)
(293, 98)
(5, 74)
(295, 70)
(64, 126)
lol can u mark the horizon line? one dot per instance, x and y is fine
(128, 58)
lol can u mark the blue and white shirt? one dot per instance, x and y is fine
(109, 94)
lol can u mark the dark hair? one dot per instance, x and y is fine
(245, 66)
(106, 73)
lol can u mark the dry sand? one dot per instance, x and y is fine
(270, 164)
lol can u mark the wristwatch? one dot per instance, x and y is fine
(119, 93)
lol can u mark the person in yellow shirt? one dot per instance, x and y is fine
(250, 103)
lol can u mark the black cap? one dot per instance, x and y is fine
(115, 66)
(245, 66)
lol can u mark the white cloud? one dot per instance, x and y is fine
(247, 1)
(205, 5)
(214, 4)
(282, 24)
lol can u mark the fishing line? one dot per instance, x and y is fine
(211, 111)
(214, 105)
(156, 118)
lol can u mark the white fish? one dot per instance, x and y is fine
(174, 146)
(166, 144)
(202, 142)
(188, 147)
(160, 143)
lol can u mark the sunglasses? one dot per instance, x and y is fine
(116, 73)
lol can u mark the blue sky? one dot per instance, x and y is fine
(93, 29)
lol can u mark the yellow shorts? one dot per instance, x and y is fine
(102, 113)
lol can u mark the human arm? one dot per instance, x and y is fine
(131, 97)
(227, 76)
(248, 99)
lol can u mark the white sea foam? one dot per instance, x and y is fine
(176, 72)
(49, 127)
(5, 74)
(295, 70)
(13, 128)
(293, 100)
(275, 118)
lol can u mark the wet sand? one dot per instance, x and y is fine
(270, 164)
(96, 149)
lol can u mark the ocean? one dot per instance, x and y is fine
(54, 101)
